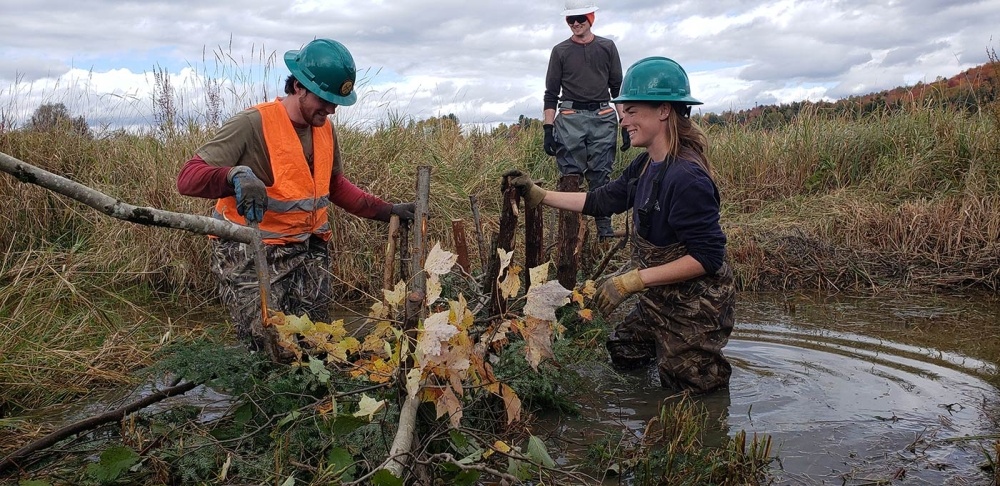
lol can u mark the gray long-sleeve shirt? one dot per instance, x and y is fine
(589, 72)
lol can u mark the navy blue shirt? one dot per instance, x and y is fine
(686, 211)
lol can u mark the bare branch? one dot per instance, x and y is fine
(115, 208)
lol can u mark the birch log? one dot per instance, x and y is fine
(115, 208)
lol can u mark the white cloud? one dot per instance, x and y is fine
(482, 61)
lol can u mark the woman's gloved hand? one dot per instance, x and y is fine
(611, 292)
(530, 192)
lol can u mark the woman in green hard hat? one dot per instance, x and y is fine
(686, 298)
(278, 165)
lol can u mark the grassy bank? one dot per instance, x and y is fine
(901, 200)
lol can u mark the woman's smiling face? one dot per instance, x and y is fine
(644, 121)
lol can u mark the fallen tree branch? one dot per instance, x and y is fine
(91, 423)
(203, 225)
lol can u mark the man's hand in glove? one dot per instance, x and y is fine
(403, 210)
(626, 140)
(251, 194)
(612, 291)
(550, 140)
(530, 192)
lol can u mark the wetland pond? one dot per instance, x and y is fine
(852, 391)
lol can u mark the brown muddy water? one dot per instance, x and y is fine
(852, 391)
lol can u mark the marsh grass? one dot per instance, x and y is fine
(902, 199)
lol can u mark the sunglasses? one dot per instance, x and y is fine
(576, 19)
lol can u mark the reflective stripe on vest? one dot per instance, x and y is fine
(297, 202)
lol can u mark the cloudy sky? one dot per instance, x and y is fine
(482, 61)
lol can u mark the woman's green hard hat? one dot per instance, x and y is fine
(656, 79)
(325, 67)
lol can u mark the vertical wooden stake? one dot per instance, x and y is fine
(533, 240)
(505, 240)
(390, 252)
(484, 257)
(461, 247)
(420, 216)
(568, 262)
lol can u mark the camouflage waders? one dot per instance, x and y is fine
(300, 282)
(683, 325)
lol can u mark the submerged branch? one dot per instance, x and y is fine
(90, 423)
(203, 225)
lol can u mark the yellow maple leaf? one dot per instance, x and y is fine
(376, 340)
(539, 274)
(505, 257)
(511, 283)
(449, 404)
(433, 288)
(511, 403)
(537, 334)
(585, 314)
(368, 406)
(413, 382)
(499, 445)
(395, 296)
(460, 315)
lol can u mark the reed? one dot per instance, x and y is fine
(902, 199)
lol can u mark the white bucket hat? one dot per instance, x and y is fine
(579, 7)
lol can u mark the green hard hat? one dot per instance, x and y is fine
(326, 68)
(656, 79)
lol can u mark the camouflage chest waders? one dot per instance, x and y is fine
(300, 282)
(683, 325)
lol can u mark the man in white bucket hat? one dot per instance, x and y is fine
(584, 73)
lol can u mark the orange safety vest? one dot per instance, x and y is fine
(297, 202)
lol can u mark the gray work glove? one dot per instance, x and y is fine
(529, 191)
(550, 140)
(251, 194)
(403, 210)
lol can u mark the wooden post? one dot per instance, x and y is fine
(533, 240)
(568, 261)
(420, 228)
(484, 257)
(505, 240)
(461, 247)
(390, 252)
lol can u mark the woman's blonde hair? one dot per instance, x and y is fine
(685, 139)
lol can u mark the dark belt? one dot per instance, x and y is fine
(579, 105)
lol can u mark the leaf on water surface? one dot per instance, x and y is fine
(538, 453)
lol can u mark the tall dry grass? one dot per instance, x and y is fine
(900, 199)
(896, 200)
